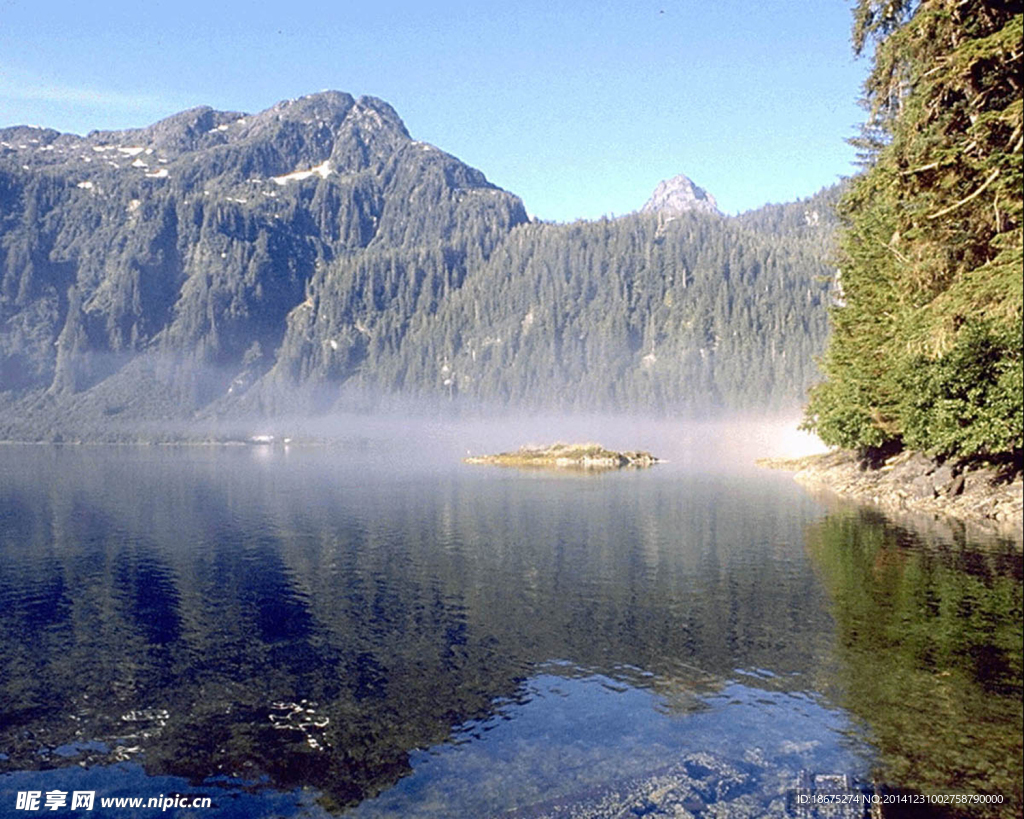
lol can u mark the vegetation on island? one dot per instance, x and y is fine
(568, 456)
(926, 344)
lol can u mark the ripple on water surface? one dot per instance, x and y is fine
(305, 632)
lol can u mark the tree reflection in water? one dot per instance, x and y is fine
(929, 643)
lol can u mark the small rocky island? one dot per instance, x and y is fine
(568, 456)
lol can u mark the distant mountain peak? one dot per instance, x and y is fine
(679, 195)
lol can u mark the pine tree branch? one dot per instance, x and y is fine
(1013, 136)
(922, 169)
(966, 199)
(895, 252)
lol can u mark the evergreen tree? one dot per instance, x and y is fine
(926, 346)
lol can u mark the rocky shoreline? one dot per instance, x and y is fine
(983, 496)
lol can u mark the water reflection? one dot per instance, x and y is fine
(320, 619)
(929, 642)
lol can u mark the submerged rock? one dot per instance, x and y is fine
(568, 456)
(707, 785)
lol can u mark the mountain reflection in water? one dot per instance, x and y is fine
(320, 620)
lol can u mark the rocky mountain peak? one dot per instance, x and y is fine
(178, 133)
(336, 111)
(382, 114)
(680, 195)
(289, 140)
(324, 109)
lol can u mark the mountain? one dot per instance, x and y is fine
(679, 195)
(314, 256)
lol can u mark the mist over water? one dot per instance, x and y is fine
(721, 445)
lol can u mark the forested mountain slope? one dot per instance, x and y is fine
(681, 315)
(314, 255)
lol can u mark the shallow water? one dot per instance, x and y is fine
(376, 630)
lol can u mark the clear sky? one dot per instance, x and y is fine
(578, 107)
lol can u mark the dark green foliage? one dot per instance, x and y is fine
(970, 399)
(926, 345)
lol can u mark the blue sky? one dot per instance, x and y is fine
(580, 108)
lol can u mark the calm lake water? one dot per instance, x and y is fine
(377, 630)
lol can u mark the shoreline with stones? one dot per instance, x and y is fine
(985, 496)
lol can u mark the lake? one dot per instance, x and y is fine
(375, 629)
